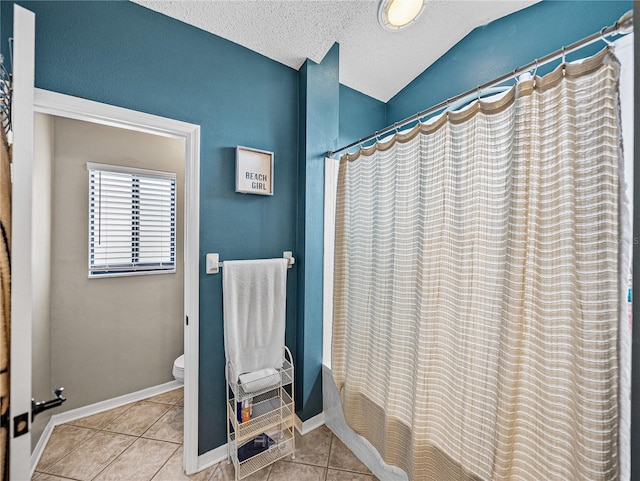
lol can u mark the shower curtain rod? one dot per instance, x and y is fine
(623, 26)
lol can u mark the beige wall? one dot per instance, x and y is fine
(110, 336)
(41, 334)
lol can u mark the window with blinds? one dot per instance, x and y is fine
(132, 221)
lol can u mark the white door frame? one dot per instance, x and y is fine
(60, 105)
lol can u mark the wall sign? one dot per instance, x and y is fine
(254, 171)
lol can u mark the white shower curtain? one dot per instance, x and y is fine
(477, 281)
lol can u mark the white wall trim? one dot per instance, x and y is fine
(192, 300)
(113, 403)
(204, 461)
(53, 103)
(39, 449)
(221, 453)
(60, 105)
(305, 427)
(96, 408)
(215, 456)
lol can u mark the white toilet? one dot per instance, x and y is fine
(178, 369)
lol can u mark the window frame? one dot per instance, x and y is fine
(132, 269)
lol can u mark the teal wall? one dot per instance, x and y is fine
(504, 45)
(126, 55)
(360, 115)
(319, 130)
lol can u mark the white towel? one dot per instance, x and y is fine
(254, 301)
(259, 380)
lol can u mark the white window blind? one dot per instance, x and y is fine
(132, 220)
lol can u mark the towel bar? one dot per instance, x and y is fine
(214, 265)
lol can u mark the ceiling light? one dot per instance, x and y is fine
(397, 14)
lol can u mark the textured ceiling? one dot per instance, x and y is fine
(373, 61)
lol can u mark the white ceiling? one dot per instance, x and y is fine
(373, 60)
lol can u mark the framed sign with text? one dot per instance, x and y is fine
(254, 171)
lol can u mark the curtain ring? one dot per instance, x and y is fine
(478, 93)
(604, 39)
(448, 107)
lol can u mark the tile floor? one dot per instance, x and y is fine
(143, 441)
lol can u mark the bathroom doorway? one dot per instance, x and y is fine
(101, 336)
(106, 338)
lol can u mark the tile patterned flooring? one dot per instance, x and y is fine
(142, 441)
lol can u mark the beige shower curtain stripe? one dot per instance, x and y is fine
(5, 299)
(476, 288)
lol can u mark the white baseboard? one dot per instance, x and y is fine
(115, 402)
(304, 427)
(36, 454)
(205, 460)
(221, 453)
(215, 456)
(92, 409)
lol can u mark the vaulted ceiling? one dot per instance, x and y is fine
(373, 60)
